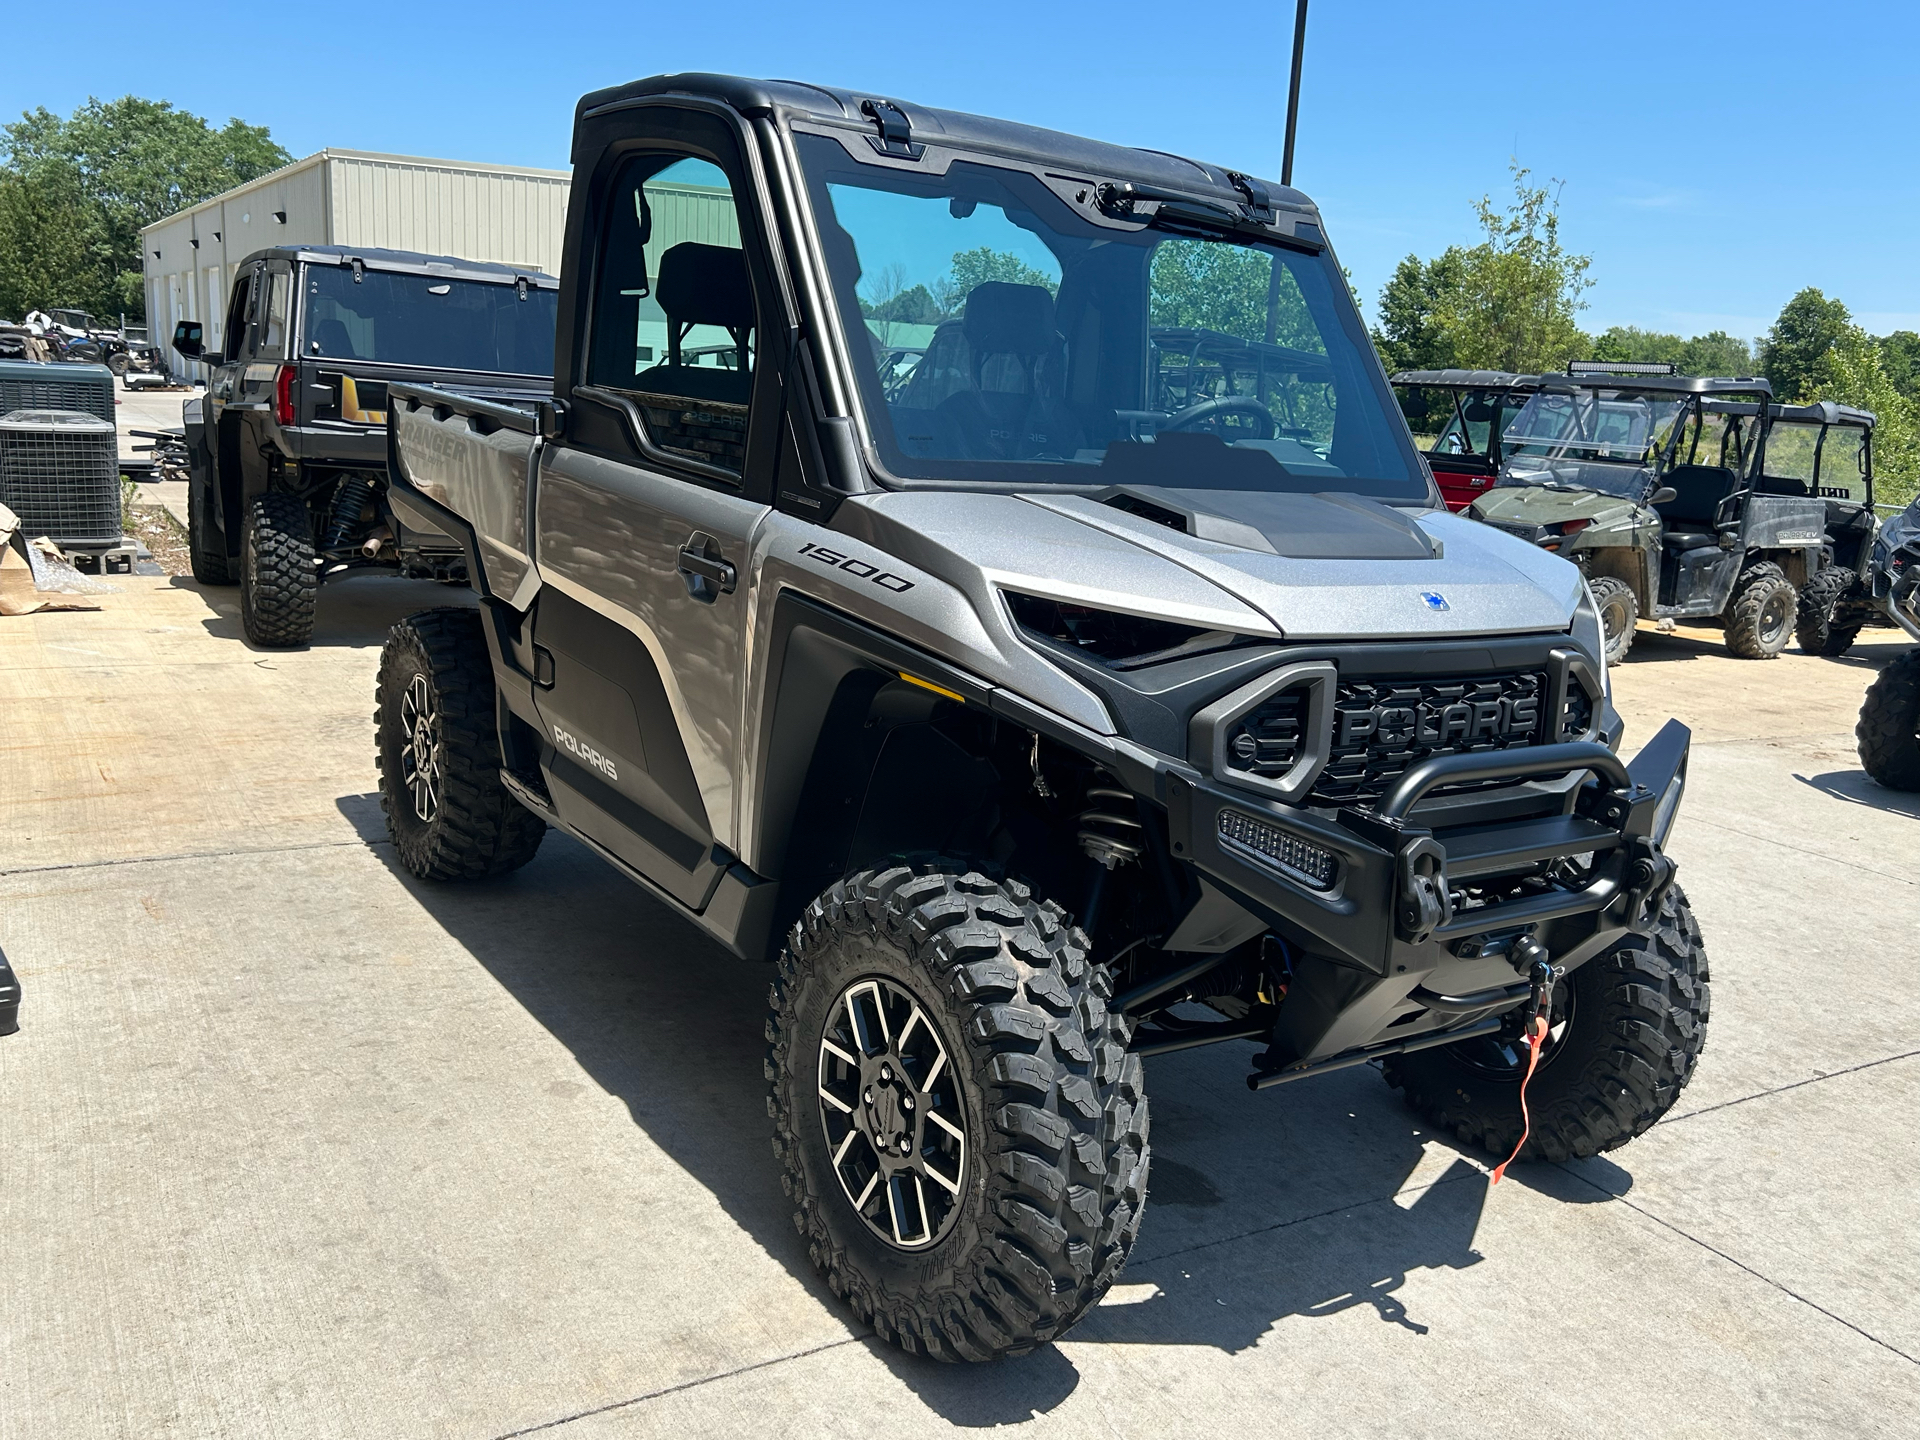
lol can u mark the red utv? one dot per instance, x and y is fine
(1465, 412)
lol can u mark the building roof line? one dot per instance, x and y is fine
(320, 157)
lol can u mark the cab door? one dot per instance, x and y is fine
(648, 506)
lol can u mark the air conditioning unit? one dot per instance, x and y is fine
(39, 385)
(60, 473)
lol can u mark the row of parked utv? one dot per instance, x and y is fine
(1692, 499)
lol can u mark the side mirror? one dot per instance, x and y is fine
(1663, 495)
(187, 339)
(551, 418)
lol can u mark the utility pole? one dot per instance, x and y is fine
(1293, 90)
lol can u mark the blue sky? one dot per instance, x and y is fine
(1716, 159)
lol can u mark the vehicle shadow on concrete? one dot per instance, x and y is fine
(1855, 788)
(354, 613)
(1653, 647)
(1308, 1200)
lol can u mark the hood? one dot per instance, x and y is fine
(1325, 567)
(1538, 505)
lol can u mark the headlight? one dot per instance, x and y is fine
(1591, 635)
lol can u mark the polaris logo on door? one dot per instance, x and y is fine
(1433, 726)
(585, 753)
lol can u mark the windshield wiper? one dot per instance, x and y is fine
(1180, 212)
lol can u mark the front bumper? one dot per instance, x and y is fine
(1396, 889)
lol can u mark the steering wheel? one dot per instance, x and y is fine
(1225, 405)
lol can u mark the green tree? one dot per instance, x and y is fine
(1900, 356)
(52, 245)
(1809, 325)
(1410, 335)
(129, 162)
(1851, 372)
(1715, 353)
(1519, 289)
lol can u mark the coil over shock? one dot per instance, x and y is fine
(1110, 839)
(349, 499)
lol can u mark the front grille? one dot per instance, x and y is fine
(60, 473)
(33, 385)
(1380, 727)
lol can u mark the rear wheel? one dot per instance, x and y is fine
(961, 1128)
(206, 546)
(1760, 616)
(438, 753)
(1619, 613)
(118, 364)
(1818, 627)
(1626, 1030)
(279, 583)
(1889, 728)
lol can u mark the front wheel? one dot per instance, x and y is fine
(1619, 613)
(1625, 1032)
(1889, 728)
(438, 753)
(959, 1123)
(279, 580)
(1761, 613)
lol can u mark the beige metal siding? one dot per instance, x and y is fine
(516, 218)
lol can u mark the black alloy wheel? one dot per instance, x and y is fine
(420, 750)
(891, 1109)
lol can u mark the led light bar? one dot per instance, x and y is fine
(1294, 857)
(1621, 367)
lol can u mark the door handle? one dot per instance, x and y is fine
(706, 574)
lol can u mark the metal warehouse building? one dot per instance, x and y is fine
(348, 197)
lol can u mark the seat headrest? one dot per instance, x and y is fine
(705, 285)
(1004, 319)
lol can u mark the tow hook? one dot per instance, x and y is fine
(1423, 903)
(1649, 877)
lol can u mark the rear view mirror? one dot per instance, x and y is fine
(1663, 495)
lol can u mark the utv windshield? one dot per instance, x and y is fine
(395, 318)
(1002, 336)
(1612, 441)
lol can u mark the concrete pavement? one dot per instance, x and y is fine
(293, 1145)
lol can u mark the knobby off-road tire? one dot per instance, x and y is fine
(206, 546)
(1055, 1115)
(1889, 728)
(439, 753)
(1761, 613)
(1619, 613)
(279, 582)
(1628, 1029)
(1814, 628)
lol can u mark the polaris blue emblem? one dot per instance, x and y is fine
(1434, 600)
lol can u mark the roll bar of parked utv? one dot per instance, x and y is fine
(1627, 808)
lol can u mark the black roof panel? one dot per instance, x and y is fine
(798, 100)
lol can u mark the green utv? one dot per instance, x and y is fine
(1661, 488)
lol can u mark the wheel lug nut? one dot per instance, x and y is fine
(869, 1095)
(886, 1074)
(906, 1102)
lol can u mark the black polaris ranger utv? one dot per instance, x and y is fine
(288, 449)
(1122, 662)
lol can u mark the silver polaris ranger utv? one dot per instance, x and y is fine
(986, 572)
